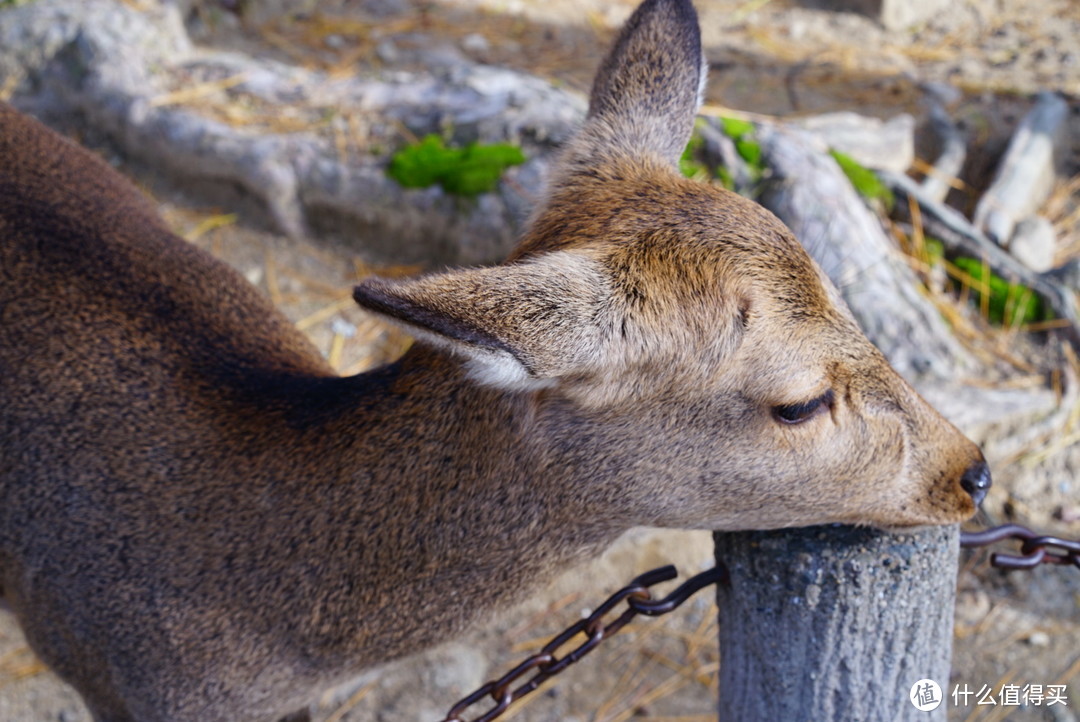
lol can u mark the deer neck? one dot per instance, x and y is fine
(490, 463)
(451, 498)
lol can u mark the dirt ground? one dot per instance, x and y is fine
(777, 58)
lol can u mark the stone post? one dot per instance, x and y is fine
(835, 623)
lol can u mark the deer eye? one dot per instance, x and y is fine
(798, 413)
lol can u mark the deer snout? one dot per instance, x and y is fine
(976, 481)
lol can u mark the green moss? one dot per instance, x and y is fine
(750, 151)
(735, 128)
(726, 179)
(689, 163)
(742, 133)
(864, 180)
(1010, 304)
(467, 171)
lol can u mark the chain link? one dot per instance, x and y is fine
(547, 663)
(1036, 549)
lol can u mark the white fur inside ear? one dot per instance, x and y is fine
(503, 371)
(485, 366)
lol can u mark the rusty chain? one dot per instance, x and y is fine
(547, 663)
(1036, 549)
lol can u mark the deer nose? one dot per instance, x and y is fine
(976, 481)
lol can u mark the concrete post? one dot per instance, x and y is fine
(835, 623)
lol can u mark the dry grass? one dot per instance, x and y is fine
(1063, 211)
(659, 658)
(19, 663)
(311, 285)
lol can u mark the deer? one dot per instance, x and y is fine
(200, 520)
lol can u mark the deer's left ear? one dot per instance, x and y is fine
(649, 87)
(520, 325)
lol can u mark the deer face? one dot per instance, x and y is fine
(719, 346)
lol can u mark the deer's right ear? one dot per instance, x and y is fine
(649, 87)
(521, 325)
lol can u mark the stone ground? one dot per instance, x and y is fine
(778, 58)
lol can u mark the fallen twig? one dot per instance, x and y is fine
(961, 236)
(941, 176)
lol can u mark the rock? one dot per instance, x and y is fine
(387, 51)
(32, 36)
(1038, 639)
(893, 14)
(384, 9)
(976, 411)
(1026, 173)
(426, 51)
(942, 93)
(950, 160)
(1068, 275)
(475, 43)
(872, 142)
(1033, 243)
(109, 66)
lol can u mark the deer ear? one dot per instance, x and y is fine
(521, 325)
(650, 86)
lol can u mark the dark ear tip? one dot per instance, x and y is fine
(683, 9)
(361, 291)
(394, 300)
(372, 295)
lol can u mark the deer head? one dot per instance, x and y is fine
(689, 330)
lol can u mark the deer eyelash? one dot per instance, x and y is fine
(798, 413)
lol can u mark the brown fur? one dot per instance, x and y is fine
(199, 521)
